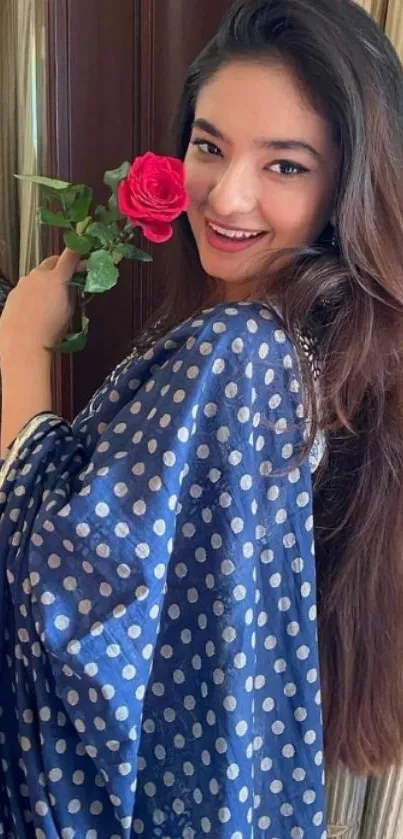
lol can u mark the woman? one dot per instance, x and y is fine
(159, 595)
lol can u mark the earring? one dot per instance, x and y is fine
(335, 241)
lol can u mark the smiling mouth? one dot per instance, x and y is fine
(234, 234)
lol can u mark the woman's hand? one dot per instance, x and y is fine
(36, 316)
(38, 311)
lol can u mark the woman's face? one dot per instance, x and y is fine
(261, 169)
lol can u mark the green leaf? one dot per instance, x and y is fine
(102, 273)
(66, 196)
(75, 341)
(114, 209)
(46, 216)
(105, 233)
(54, 190)
(128, 251)
(104, 215)
(53, 183)
(78, 210)
(113, 177)
(79, 244)
(81, 226)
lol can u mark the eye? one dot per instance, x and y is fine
(206, 147)
(287, 168)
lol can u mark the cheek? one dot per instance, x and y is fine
(296, 210)
(197, 185)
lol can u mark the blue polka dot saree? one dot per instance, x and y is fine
(159, 660)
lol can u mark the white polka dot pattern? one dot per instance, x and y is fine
(159, 640)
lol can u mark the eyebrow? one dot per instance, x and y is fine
(275, 144)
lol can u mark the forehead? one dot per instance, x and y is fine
(250, 99)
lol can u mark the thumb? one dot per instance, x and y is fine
(49, 263)
(67, 264)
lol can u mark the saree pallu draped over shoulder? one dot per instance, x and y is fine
(159, 659)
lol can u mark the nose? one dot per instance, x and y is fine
(234, 191)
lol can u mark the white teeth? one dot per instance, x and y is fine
(233, 234)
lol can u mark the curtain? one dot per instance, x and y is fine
(9, 220)
(31, 120)
(23, 130)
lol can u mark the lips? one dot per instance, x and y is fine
(234, 233)
(231, 239)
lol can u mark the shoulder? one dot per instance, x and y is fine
(238, 328)
(242, 352)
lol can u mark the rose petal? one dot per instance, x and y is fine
(125, 203)
(156, 231)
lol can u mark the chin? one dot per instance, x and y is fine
(232, 268)
(225, 268)
(223, 274)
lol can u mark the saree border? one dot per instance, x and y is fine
(20, 441)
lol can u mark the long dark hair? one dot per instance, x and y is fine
(351, 300)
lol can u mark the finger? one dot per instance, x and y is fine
(67, 264)
(50, 262)
(47, 264)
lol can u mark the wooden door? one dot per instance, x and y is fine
(116, 71)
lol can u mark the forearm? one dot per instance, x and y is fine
(25, 392)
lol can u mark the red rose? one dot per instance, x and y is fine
(153, 195)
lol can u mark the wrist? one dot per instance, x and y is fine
(25, 390)
(24, 355)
